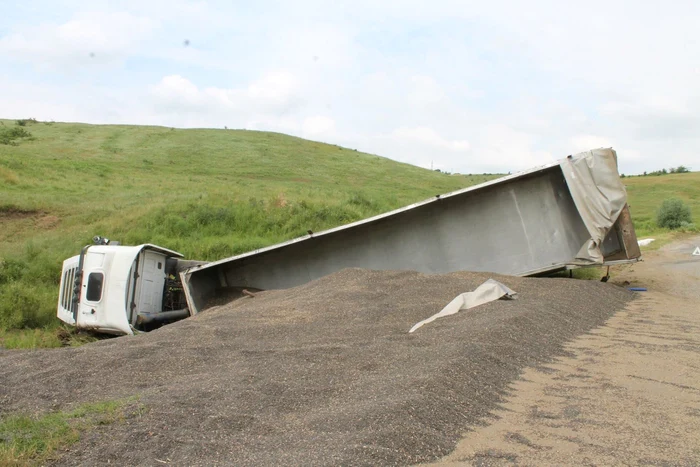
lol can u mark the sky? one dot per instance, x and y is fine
(460, 86)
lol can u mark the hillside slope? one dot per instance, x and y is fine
(206, 193)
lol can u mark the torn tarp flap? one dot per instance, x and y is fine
(487, 292)
(598, 194)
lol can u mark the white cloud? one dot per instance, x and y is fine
(276, 88)
(87, 38)
(318, 126)
(421, 146)
(176, 88)
(275, 93)
(503, 148)
(429, 138)
(580, 143)
(425, 90)
(494, 148)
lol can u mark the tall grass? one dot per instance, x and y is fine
(28, 283)
(208, 232)
(47, 337)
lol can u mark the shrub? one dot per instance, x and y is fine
(688, 227)
(672, 213)
(25, 121)
(10, 136)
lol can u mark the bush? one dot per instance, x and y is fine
(688, 227)
(10, 136)
(673, 213)
(25, 121)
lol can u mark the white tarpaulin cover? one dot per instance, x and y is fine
(598, 193)
(487, 292)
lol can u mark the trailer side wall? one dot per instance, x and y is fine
(525, 224)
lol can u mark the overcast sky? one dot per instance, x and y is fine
(484, 86)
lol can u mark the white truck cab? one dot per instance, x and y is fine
(119, 289)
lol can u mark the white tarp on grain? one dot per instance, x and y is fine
(487, 292)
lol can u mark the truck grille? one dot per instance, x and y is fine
(67, 302)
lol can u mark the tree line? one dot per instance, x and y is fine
(681, 169)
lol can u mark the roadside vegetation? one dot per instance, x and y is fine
(674, 214)
(206, 193)
(27, 440)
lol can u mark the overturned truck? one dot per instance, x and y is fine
(564, 215)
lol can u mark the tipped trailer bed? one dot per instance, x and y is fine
(568, 214)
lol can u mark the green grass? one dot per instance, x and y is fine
(30, 338)
(34, 440)
(50, 336)
(206, 193)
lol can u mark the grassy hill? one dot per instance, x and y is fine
(206, 193)
(645, 194)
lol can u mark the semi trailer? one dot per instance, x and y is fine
(564, 215)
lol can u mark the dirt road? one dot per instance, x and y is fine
(629, 394)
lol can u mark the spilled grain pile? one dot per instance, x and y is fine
(325, 373)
